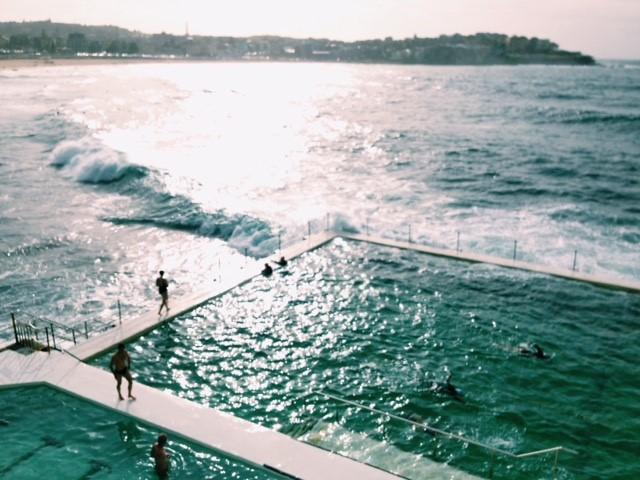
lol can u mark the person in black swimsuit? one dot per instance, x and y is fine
(163, 289)
(282, 262)
(120, 365)
(267, 270)
(534, 351)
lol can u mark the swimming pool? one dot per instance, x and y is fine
(381, 326)
(46, 433)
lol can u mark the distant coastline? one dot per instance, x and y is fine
(51, 40)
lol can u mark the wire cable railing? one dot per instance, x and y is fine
(423, 426)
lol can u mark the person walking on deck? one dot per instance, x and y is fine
(120, 367)
(163, 289)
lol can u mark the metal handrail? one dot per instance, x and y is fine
(444, 433)
(46, 320)
(64, 350)
(71, 332)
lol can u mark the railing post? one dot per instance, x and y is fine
(309, 228)
(119, 312)
(458, 243)
(279, 241)
(493, 465)
(13, 322)
(555, 466)
(53, 337)
(86, 330)
(327, 222)
(32, 342)
(367, 226)
(409, 233)
(46, 330)
(73, 334)
(515, 248)
(575, 258)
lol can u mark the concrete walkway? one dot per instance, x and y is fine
(234, 437)
(599, 280)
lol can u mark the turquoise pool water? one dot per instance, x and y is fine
(381, 326)
(45, 433)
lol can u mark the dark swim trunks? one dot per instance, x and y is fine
(163, 286)
(121, 371)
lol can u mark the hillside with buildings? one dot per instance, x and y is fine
(46, 38)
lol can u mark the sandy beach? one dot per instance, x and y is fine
(20, 63)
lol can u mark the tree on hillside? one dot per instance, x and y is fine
(77, 42)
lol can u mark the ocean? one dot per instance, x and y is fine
(109, 173)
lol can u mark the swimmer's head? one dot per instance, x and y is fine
(162, 440)
(161, 272)
(120, 347)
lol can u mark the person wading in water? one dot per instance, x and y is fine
(161, 457)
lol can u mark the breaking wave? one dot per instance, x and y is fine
(175, 212)
(88, 161)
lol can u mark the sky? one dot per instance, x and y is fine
(602, 28)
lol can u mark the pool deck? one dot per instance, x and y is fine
(599, 280)
(234, 437)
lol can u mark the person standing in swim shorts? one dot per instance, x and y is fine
(120, 366)
(163, 289)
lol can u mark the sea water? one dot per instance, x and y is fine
(109, 173)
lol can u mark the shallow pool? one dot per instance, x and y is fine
(383, 327)
(45, 433)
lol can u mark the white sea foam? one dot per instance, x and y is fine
(253, 238)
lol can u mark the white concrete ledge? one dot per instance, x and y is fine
(599, 280)
(236, 438)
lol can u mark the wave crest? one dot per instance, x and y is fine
(89, 162)
(242, 232)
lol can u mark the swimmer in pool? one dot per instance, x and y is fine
(282, 262)
(161, 457)
(534, 351)
(450, 389)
